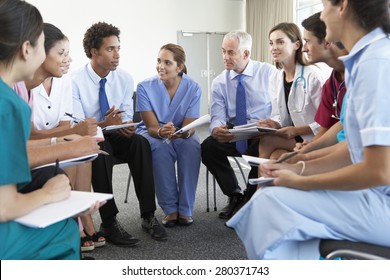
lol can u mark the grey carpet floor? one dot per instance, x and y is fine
(206, 239)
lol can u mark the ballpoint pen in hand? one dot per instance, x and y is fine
(287, 157)
(120, 112)
(56, 168)
(76, 119)
(177, 128)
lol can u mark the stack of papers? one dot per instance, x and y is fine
(75, 204)
(248, 131)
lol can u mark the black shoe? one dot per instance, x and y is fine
(185, 221)
(228, 211)
(115, 234)
(169, 223)
(156, 231)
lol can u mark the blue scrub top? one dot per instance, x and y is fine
(152, 95)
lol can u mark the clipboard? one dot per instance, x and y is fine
(113, 128)
(70, 162)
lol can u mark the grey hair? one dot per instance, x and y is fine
(244, 40)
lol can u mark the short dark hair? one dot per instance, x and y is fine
(316, 26)
(178, 54)
(52, 36)
(20, 22)
(93, 37)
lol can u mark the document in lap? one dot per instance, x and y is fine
(49, 214)
(113, 128)
(70, 162)
(248, 131)
(202, 120)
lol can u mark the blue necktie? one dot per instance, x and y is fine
(103, 98)
(242, 145)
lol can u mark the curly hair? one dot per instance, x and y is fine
(93, 37)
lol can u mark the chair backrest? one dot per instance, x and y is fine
(136, 115)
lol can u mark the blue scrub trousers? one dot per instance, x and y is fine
(175, 191)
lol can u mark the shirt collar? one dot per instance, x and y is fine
(248, 71)
(366, 40)
(95, 77)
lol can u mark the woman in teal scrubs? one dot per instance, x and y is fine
(21, 53)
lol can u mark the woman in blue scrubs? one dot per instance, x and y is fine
(21, 53)
(345, 195)
(166, 102)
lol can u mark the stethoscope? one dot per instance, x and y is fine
(336, 94)
(293, 93)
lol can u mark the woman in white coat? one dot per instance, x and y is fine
(295, 90)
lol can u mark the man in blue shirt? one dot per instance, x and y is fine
(254, 77)
(101, 45)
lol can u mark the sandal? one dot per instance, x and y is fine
(98, 239)
(86, 244)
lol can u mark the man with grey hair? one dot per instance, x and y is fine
(239, 94)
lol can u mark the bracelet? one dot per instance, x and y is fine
(303, 166)
(158, 133)
(188, 134)
(53, 141)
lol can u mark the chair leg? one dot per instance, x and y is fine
(128, 187)
(241, 170)
(215, 194)
(207, 191)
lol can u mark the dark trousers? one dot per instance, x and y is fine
(39, 177)
(214, 157)
(134, 151)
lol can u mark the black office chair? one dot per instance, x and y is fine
(214, 185)
(349, 250)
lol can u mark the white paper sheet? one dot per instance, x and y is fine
(49, 214)
(202, 120)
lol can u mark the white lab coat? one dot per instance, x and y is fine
(302, 107)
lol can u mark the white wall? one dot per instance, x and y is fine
(145, 24)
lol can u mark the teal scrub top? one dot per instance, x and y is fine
(15, 130)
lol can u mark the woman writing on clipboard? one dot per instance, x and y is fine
(168, 101)
(295, 91)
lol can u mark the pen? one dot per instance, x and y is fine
(120, 112)
(75, 118)
(177, 128)
(229, 125)
(57, 166)
(99, 151)
(287, 157)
